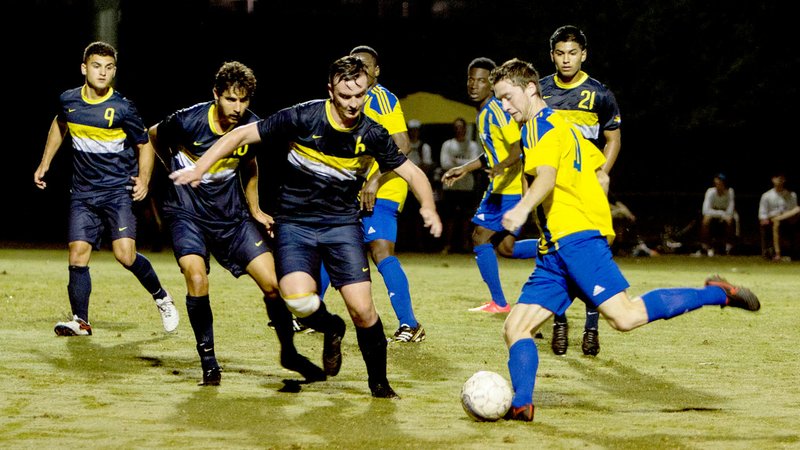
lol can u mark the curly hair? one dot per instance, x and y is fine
(235, 76)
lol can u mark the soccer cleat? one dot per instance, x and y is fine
(523, 413)
(492, 307)
(169, 313)
(299, 363)
(332, 347)
(299, 327)
(74, 327)
(560, 340)
(407, 334)
(591, 342)
(211, 377)
(383, 390)
(737, 296)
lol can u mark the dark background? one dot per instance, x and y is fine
(703, 87)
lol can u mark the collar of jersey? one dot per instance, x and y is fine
(579, 78)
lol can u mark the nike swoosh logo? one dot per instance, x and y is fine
(206, 349)
(364, 269)
(197, 144)
(123, 228)
(258, 244)
(70, 110)
(316, 136)
(546, 96)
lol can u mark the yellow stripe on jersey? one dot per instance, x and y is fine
(91, 139)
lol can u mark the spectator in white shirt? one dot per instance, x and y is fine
(719, 206)
(778, 215)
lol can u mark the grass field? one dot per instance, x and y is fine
(715, 378)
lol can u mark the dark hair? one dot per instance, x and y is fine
(568, 33)
(236, 76)
(345, 68)
(481, 63)
(99, 48)
(517, 72)
(365, 49)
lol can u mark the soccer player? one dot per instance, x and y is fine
(591, 106)
(218, 218)
(574, 258)
(107, 175)
(499, 136)
(380, 221)
(331, 146)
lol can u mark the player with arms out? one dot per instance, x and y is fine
(331, 146)
(592, 107)
(574, 218)
(499, 136)
(219, 218)
(112, 161)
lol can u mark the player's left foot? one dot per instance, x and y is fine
(591, 343)
(523, 413)
(407, 334)
(211, 377)
(300, 364)
(492, 307)
(169, 314)
(332, 347)
(738, 296)
(383, 390)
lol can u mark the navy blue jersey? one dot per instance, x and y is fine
(327, 164)
(188, 134)
(586, 102)
(104, 132)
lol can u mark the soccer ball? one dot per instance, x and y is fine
(486, 396)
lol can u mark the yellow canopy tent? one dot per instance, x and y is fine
(431, 108)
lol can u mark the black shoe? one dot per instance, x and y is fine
(299, 363)
(560, 338)
(591, 343)
(738, 297)
(383, 390)
(332, 347)
(523, 413)
(211, 377)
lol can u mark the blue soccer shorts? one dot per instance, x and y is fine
(582, 267)
(490, 212)
(90, 215)
(301, 248)
(233, 245)
(381, 223)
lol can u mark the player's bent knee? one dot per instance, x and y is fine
(303, 305)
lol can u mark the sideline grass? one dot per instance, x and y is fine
(715, 378)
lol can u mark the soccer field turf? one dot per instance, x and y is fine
(714, 378)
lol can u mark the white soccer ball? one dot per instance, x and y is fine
(486, 396)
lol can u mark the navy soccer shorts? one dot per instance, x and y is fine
(90, 215)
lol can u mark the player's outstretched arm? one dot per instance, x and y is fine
(422, 190)
(226, 145)
(55, 137)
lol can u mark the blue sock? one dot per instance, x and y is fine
(78, 289)
(523, 362)
(324, 281)
(487, 266)
(668, 303)
(525, 249)
(397, 284)
(144, 272)
(202, 320)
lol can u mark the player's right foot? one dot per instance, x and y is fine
(300, 364)
(383, 390)
(738, 296)
(523, 413)
(74, 327)
(492, 307)
(591, 342)
(407, 334)
(169, 314)
(211, 377)
(332, 346)
(560, 340)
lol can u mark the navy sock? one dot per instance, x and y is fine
(78, 289)
(560, 318)
(202, 321)
(397, 285)
(490, 272)
(281, 319)
(592, 318)
(144, 272)
(372, 343)
(523, 362)
(668, 303)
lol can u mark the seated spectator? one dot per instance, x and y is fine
(719, 208)
(778, 215)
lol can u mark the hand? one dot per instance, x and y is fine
(140, 189)
(495, 171)
(514, 219)
(38, 177)
(431, 220)
(369, 193)
(187, 175)
(264, 219)
(452, 175)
